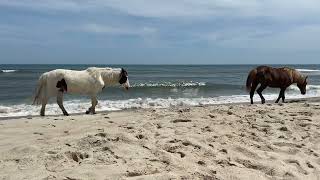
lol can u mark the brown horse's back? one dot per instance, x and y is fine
(273, 77)
(256, 75)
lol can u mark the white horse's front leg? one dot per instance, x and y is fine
(60, 103)
(94, 102)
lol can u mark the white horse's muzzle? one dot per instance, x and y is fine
(126, 85)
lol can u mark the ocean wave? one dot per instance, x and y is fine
(169, 84)
(309, 87)
(8, 70)
(308, 70)
(78, 106)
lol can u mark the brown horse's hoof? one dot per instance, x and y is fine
(90, 112)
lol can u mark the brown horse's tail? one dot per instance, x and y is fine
(250, 78)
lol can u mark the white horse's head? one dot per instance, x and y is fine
(124, 81)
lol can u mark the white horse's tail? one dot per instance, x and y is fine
(40, 90)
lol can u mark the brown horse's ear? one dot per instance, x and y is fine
(305, 79)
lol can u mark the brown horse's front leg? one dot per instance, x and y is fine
(281, 95)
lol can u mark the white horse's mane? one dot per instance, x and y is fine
(108, 74)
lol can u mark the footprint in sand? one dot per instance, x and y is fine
(202, 163)
(283, 128)
(310, 165)
(101, 134)
(38, 133)
(296, 164)
(181, 120)
(77, 156)
(182, 155)
(139, 136)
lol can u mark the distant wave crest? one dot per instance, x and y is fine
(8, 70)
(309, 87)
(308, 70)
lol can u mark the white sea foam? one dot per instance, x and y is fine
(78, 106)
(169, 84)
(8, 70)
(309, 87)
(308, 70)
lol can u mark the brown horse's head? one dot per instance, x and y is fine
(302, 84)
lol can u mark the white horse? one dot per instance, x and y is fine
(87, 82)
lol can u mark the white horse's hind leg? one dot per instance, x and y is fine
(92, 109)
(43, 107)
(60, 103)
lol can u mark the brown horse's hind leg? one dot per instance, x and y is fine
(259, 91)
(283, 96)
(253, 88)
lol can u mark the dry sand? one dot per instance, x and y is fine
(217, 142)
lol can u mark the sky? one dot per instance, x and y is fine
(159, 32)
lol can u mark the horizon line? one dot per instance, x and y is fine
(157, 64)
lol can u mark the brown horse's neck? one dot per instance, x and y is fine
(297, 77)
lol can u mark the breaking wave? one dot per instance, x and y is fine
(309, 87)
(8, 70)
(308, 70)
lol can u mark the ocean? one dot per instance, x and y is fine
(152, 86)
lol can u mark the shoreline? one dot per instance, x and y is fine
(309, 99)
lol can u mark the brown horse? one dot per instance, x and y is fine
(276, 78)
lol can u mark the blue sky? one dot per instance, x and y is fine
(160, 32)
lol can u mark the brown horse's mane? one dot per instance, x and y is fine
(295, 74)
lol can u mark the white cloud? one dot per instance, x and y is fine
(302, 38)
(277, 9)
(44, 5)
(302, 33)
(104, 29)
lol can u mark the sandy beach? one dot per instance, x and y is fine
(240, 141)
